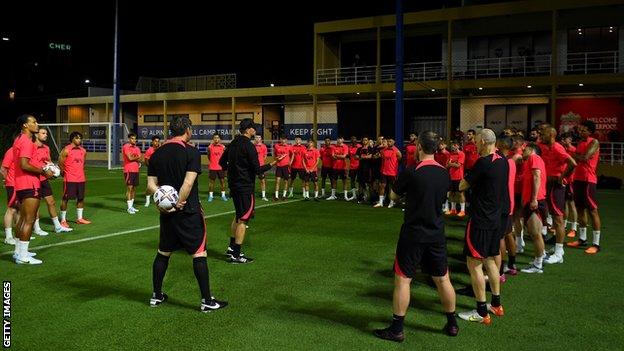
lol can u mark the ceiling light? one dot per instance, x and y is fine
(529, 86)
(480, 88)
(432, 89)
(581, 84)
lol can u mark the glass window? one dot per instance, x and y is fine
(242, 115)
(209, 117)
(152, 118)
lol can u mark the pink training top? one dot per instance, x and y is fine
(215, 151)
(7, 162)
(586, 170)
(74, 164)
(41, 158)
(149, 152)
(130, 166)
(262, 151)
(24, 147)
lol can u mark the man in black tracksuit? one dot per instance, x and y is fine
(241, 161)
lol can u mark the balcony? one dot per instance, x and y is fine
(480, 68)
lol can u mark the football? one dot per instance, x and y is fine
(166, 197)
(56, 171)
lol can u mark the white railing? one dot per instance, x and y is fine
(612, 153)
(592, 62)
(478, 68)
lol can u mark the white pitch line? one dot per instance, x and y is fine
(135, 230)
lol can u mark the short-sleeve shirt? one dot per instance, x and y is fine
(555, 158)
(24, 147)
(262, 151)
(354, 162)
(215, 151)
(472, 154)
(170, 163)
(457, 173)
(298, 151)
(340, 150)
(586, 170)
(149, 153)
(311, 157)
(389, 161)
(425, 187)
(130, 166)
(442, 157)
(530, 164)
(282, 149)
(326, 156)
(410, 154)
(7, 162)
(74, 164)
(41, 158)
(488, 180)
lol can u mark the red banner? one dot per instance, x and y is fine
(606, 113)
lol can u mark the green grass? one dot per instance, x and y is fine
(322, 280)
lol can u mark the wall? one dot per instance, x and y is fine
(298, 121)
(472, 111)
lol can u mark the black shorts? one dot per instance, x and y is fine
(430, 256)
(481, 243)
(131, 178)
(326, 172)
(282, 172)
(46, 189)
(339, 174)
(455, 185)
(375, 173)
(387, 179)
(74, 191)
(517, 202)
(364, 175)
(585, 195)
(21, 195)
(216, 174)
(11, 197)
(244, 205)
(506, 225)
(182, 230)
(541, 211)
(555, 198)
(569, 192)
(310, 177)
(297, 172)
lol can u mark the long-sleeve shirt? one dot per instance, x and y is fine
(240, 159)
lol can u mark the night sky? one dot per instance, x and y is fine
(262, 42)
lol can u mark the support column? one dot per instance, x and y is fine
(449, 76)
(378, 86)
(314, 117)
(553, 70)
(165, 121)
(233, 117)
(106, 112)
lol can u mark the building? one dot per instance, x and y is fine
(496, 65)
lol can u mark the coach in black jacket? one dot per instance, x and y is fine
(241, 161)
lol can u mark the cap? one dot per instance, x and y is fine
(246, 124)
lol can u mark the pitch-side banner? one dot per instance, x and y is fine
(606, 113)
(199, 132)
(304, 130)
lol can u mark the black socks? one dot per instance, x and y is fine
(161, 262)
(200, 267)
(496, 300)
(482, 309)
(397, 324)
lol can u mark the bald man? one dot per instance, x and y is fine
(559, 166)
(489, 183)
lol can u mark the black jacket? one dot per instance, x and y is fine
(241, 161)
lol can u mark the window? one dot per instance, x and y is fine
(152, 118)
(593, 39)
(209, 117)
(242, 115)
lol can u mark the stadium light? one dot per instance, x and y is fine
(357, 93)
(432, 90)
(581, 84)
(5, 39)
(272, 85)
(529, 86)
(480, 88)
(394, 91)
(87, 81)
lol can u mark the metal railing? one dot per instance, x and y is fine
(612, 153)
(592, 62)
(194, 83)
(478, 68)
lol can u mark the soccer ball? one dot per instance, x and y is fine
(166, 197)
(56, 171)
